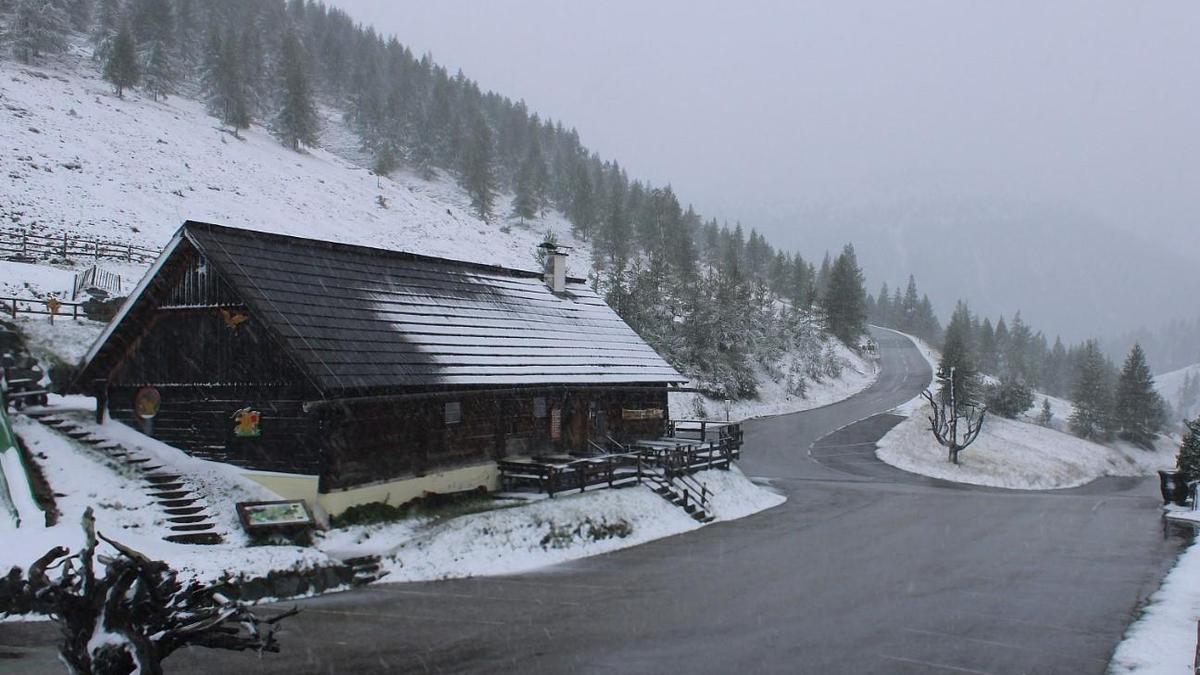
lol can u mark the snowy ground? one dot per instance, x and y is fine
(82, 477)
(1163, 639)
(1019, 453)
(543, 532)
(1015, 454)
(79, 159)
(858, 373)
(499, 541)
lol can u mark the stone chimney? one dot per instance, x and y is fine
(555, 274)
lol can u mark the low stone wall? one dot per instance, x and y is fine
(284, 584)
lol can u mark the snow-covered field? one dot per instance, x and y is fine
(1015, 454)
(1018, 454)
(543, 532)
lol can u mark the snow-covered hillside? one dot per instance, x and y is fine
(1018, 454)
(1170, 386)
(81, 160)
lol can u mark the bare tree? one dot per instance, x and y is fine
(136, 614)
(954, 426)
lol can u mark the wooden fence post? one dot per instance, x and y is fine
(24, 245)
(64, 245)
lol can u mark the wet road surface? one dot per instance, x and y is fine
(865, 569)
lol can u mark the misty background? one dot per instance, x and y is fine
(1025, 156)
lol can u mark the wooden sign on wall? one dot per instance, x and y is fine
(642, 414)
(556, 424)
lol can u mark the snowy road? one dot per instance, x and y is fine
(865, 569)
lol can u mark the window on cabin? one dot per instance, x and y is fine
(539, 407)
(453, 413)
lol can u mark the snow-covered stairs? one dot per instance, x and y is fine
(689, 498)
(186, 511)
(366, 569)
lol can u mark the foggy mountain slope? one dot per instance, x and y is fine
(80, 160)
(1067, 273)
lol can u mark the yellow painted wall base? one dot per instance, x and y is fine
(295, 486)
(287, 485)
(404, 490)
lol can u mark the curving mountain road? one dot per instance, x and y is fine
(865, 569)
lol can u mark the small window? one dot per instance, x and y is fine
(453, 413)
(539, 407)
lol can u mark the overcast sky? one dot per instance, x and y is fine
(762, 110)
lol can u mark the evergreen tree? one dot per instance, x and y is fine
(152, 21)
(38, 27)
(157, 75)
(108, 21)
(1188, 459)
(385, 160)
(532, 182)
(907, 312)
(883, 307)
(1009, 398)
(845, 301)
(1140, 412)
(958, 364)
(80, 14)
(121, 68)
(928, 326)
(223, 83)
(1092, 395)
(296, 121)
(478, 175)
(1046, 416)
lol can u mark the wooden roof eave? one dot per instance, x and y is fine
(88, 363)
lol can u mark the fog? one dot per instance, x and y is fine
(821, 122)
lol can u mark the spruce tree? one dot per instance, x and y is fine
(121, 68)
(531, 183)
(38, 27)
(1092, 395)
(958, 364)
(478, 174)
(845, 301)
(296, 121)
(1046, 416)
(1140, 411)
(1188, 459)
(883, 307)
(223, 83)
(157, 75)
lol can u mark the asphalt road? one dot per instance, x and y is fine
(865, 569)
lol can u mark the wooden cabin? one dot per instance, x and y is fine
(346, 374)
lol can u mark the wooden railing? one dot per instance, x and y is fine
(23, 246)
(688, 448)
(552, 477)
(49, 306)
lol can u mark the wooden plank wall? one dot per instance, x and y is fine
(200, 421)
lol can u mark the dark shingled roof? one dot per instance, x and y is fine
(361, 318)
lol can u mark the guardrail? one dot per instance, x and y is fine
(29, 247)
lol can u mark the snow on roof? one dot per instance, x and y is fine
(361, 318)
